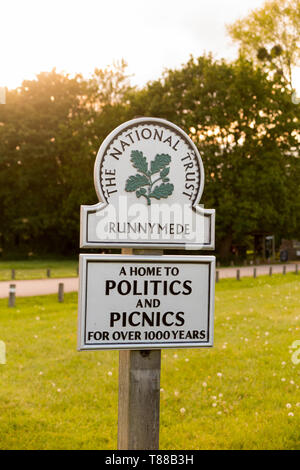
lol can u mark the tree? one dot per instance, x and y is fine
(246, 129)
(270, 35)
(50, 131)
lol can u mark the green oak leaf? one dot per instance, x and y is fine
(159, 162)
(162, 191)
(164, 172)
(136, 181)
(139, 161)
(141, 192)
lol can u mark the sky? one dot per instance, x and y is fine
(75, 36)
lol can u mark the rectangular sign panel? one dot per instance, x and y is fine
(145, 302)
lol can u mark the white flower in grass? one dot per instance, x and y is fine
(182, 410)
(162, 390)
(176, 393)
(37, 318)
(298, 404)
(290, 414)
(220, 395)
(219, 412)
(288, 405)
(204, 384)
(214, 404)
(292, 382)
(175, 356)
(219, 374)
(267, 333)
(109, 373)
(186, 360)
(283, 379)
(283, 363)
(59, 390)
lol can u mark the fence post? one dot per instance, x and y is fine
(48, 272)
(217, 276)
(12, 295)
(254, 273)
(284, 269)
(270, 271)
(13, 274)
(296, 268)
(61, 292)
(238, 275)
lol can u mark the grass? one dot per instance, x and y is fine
(37, 269)
(238, 395)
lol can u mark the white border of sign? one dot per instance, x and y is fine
(86, 211)
(83, 294)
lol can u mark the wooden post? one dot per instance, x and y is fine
(13, 274)
(238, 275)
(12, 295)
(284, 269)
(217, 276)
(296, 268)
(270, 271)
(139, 394)
(61, 292)
(139, 397)
(48, 272)
(254, 273)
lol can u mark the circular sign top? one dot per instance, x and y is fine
(149, 160)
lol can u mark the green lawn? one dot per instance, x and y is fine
(241, 394)
(37, 269)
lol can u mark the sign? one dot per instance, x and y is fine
(145, 302)
(149, 179)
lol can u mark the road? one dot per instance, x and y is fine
(38, 286)
(50, 286)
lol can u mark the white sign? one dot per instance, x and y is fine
(149, 179)
(146, 302)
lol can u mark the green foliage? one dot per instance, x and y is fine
(162, 191)
(159, 164)
(241, 118)
(50, 132)
(247, 130)
(271, 35)
(139, 161)
(136, 181)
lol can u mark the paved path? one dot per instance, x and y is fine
(260, 270)
(50, 286)
(38, 286)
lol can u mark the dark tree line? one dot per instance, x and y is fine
(242, 120)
